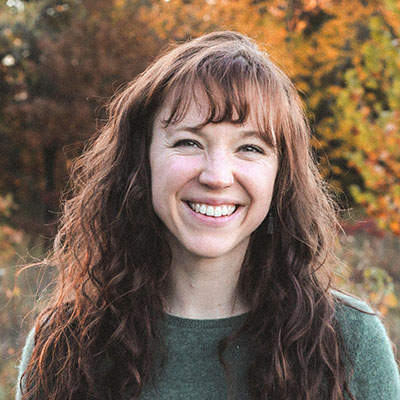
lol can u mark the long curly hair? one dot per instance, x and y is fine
(113, 259)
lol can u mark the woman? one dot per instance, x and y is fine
(195, 252)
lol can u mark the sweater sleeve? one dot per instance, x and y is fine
(376, 374)
(26, 356)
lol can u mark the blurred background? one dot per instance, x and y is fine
(60, 61)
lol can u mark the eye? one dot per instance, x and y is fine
(251, 148)
(187, 143)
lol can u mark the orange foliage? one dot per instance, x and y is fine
(323, 45)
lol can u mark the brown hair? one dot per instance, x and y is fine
(114, 262)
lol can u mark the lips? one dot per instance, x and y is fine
(220, 210)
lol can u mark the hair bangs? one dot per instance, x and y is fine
(231, 93)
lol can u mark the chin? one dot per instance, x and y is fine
(210, 250)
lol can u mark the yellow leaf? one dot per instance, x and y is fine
(383, 309)
(374, 297)
(17, 291)
(390, 300)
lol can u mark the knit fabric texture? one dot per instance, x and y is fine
(193, 372)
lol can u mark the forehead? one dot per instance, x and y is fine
(195, 113)
(197, 109)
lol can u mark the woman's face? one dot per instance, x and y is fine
(211, 185)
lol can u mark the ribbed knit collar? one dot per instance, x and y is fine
(234, 321)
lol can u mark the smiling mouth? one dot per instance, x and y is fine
(213, 211)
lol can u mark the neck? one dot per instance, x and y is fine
(204, 288)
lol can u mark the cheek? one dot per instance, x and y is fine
(260, 185)
(180, 168)
(169, 175)
(261, 177)
(175, 170)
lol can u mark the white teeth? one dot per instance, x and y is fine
(211, 211)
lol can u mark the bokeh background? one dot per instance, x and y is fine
(61, 60)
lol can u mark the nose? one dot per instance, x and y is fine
(217, 172)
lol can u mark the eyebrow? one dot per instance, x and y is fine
(197, 130)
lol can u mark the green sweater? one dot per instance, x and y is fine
(193, 372)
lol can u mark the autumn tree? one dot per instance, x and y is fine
(75, 54)
(368, 111)
(79, 53)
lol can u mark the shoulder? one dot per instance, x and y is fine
(368, 347)
(25, 358)
(351, 310)
(346, 299)
(359, 324)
